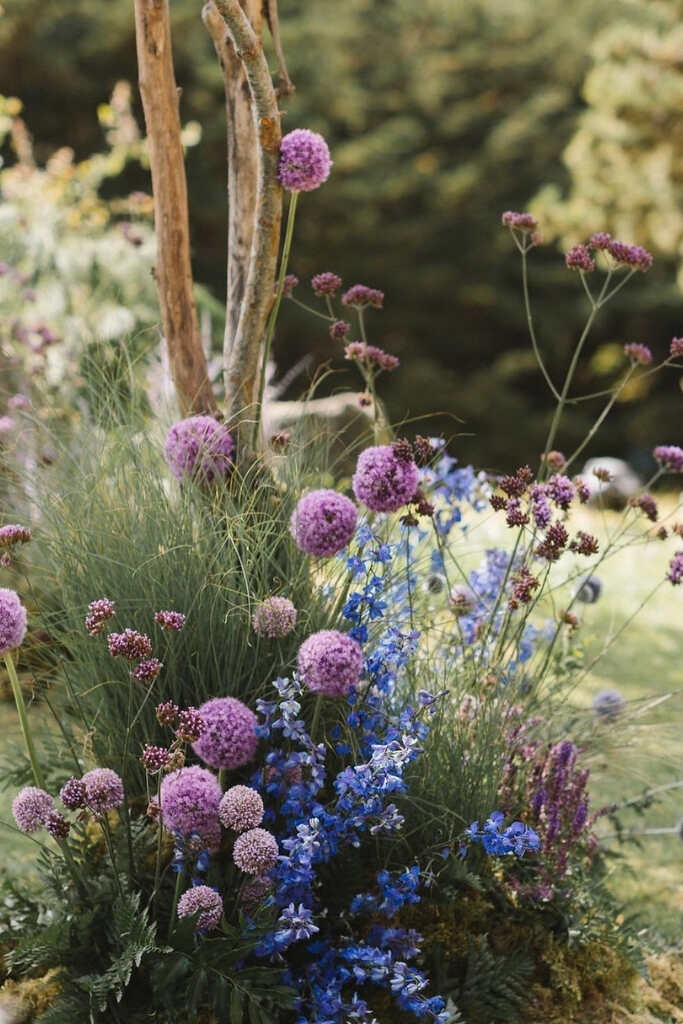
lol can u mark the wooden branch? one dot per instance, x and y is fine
(173, 271)
(242, 168)
(241, 372)
(286, 85)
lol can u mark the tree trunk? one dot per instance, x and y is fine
(173, 271)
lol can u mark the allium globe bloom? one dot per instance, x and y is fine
(670, 456)
(189, 801)
(304, 161)
(229, 738)
(72, 794)
(241, 808)
(275, 617)
(205, 899)
(326, 283)
(254, 892)
(255, 852)
(31, 807)
(383, 480)
(608, 703)
(130, 644)
(323, 523)
(330, 662)
(638, 353)
(13, 534)
(98, 613)
(103, 790)
(171, 621)
(12, 620)
(199, 448)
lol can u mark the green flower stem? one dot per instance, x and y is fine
(176, 897)
(316, 715)
(23, 720)
(104, 824)
(270, 329)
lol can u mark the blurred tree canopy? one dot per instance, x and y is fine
(439, 116)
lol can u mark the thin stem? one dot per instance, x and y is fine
(270, 329)
(23, 720)
(310, 309)
(110, 849)
(176, 897)
(316, 715)
(601, 418)
(530, 325)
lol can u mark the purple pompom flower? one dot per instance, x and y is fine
(274, 617)
(31, 807)
(190, 725)
(130, 644)
(98, 613)
(147, 671)
(205, 899)
(103, 790)
(519, 221)
(13, 534)
(339, 330)
(290, 282)
(255, 852)
(359, 295)
(670, 456)
(304, 161)
(154, 759)
(171, 621)
(199, 448)
(229, 738)
(323, 523)
(384, 481)
(166, 712)
(12, 620)
(241, 808)
(189, 802)
(330, 662)
(579, 258)
(72, 794)
(634, 256)
(326, 283)
(676, 348)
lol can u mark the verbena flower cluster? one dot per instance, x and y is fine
(13, 620)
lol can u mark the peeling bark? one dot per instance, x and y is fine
(173, 271)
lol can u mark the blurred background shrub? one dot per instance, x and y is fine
(439, 116)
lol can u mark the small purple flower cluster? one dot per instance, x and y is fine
(371, 356)
(359, 296)
(98, 791)
(670, 457)
(13, 534)
(675, 571)
(638, 354)
(13, 620)
(170, 621)
(99, 612)
(130, 644)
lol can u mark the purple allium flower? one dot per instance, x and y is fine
(241, 808)
(323, 522)
(19, 402)
(31, 807)
(189, 801)
(290, 282)
(166, 712)
(103, 790)
(383, 481)
(7, 425)
(274, 617)
(57, 825)
(326, 283)
(670, 456)
(638, 353)
(675, 573)
(608, 703)
(676, 348)
(13, 534)
(72, 794)
(98, 613)
(229, 738)
(190, 725)
(172, 621)
(154, 759)
(359, 295)
(147, 671)
(130, 644)
(12, 620)
(634, 256)
(205, 899)
(520, 221)
(199, 448)
(255, 891)
(330, 662)
(304, 161)
(255, 851)
(579, 258)
(339, 330)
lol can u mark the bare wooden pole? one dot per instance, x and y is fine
(173, 271)
(242, 360)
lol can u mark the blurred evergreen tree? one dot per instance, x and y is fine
(439, 116)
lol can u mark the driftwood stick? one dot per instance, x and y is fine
(241, 371)
(242, 176)
(173, 271)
